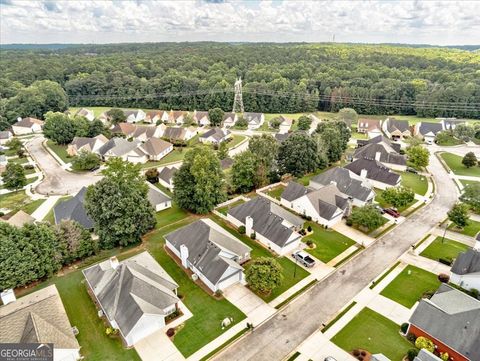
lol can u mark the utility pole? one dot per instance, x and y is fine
(238, 100)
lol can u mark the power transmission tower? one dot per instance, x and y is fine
(238, 100)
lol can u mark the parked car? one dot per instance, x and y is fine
(304, 258)
(380, 209)
(412, 170)
(393, 212)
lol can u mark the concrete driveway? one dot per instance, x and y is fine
(244, 299)
(57, 180)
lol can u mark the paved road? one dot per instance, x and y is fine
(57, 180)
(281, 335)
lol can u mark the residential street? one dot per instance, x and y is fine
(281, 335)
(57, 180)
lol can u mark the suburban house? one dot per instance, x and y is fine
(451, 320)
(380, 139)
(156, 148)
(135, 295)
(124, 149)
(157, 198)
(314, 124)
(465, 271)
(396, 129)
(27, 126)
(272, 225)
(179, 134)
(358, 189)
(285, 125)
(145, 132)
(165, 177)
(73, 209)
(381, 150)
(5, 136)
(254, 120)
(86, 113)
(371, 127)
(326, 206)
(156, 116)
(20, 219)
(38, 317)
(176, 116)
(215, 136)
(84, 144)
(280, 137)
(210, 252)
(104, 117)
(450, 123)
(134, 116)
(201, 118)
(125, 129)
(377, 174)
(428, 131)
(229, 119)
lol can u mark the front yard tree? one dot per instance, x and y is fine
(14, 176)
(264, 274)
(298, 155)
(85, 161)
(119, 206)
(367, 217)
(458, 215)
(398, 196)
(222, 152)
(59, 128)
(244, 171)
(14, 144)
(471, 196)
(199, 183)
(116, 115)
(95, 128)
(469, 160)
(304, 123)
(216, 116)
(348, 115)
(152, 175)
(418, 156)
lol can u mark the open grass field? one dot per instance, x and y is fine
(471, 229)
(418, 183)
(409, 286)
(328, 243)
(370, 331)
(454, 162)
(60, 150)
(446, 249)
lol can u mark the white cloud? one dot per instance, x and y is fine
(435, 22)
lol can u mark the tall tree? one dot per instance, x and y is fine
(265, 149)
(298, 155)
(367, 217)
(74, 241)
(244, 172)
(59, 128)
(116, 115)
(418, 156)
(471, 196)
(216, 116)
(458, 215)
(264, 274)
(469, 160)
(304, 123)
(14, 176)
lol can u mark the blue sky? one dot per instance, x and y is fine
(421, 22)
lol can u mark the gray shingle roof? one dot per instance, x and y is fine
(73, 209)
(38, 317)
(267, 219)
(467, 262)
(426, 128)
(176, 133)
(370, 150)
(397, 124)
(28, 122)
(156, 196)
(380, 139)
(327, 201)
(5, 134)
(294, 191)
(137, 286)
(81, 141)
(375, 171)
(425, 355)
(216, 133)
(253, 117)
(453, 318)
(205, 240)
(167, 173)
(119, 146)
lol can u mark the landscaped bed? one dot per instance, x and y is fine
(418, 183)
(328, 243)
(454, 162)
(471, 229)
(374, 333)
(446, 249)
(410, 285)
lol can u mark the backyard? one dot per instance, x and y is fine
(169, 216)
(236, 140)
(454, 162)
(447, 249)
(174, 156)
(14, 201)
(418, 183)
(471, 229)
(223, 210)
(374, 333)
(410, 285)
(328, 243)
(275, 192)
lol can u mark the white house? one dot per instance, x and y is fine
(86, 144)
(165, 177)
(229, 119)
(285, 125)
(38, 317)
(135, 295)
(215, 136)
(451, 123)
(27, 126)
(5, 137)
(377, 174)
(465, 271)
(176, 116)
(156, 116)
(254, 120)
(124, 149)
(210, 252)
(156, 148)
(86, 113)
(371, 127)
(145, 132)
(135, 116)
(201, 118)
(158, 199)
(273, 226)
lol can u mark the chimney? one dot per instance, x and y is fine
(363, 173)
(114, 262)
(248, 225)
(184, 255)
(8, 296)
(377, 156)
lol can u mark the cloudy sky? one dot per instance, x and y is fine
(424, 22)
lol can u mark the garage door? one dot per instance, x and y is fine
(230, 280)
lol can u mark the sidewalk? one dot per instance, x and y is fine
(352, 233)
(425, 263)
(455, 236)
(41, 212)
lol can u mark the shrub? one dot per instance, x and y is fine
(218, 293)
(152, 175)
(363, 353)
(404, 327)
(308, 218)
(303, 232)
(447, 261)
(309, 228)
(28, 166)
(444, 356)
(309, 243)
(349, 222)
(443, 277)
(411, 337)
(411, 354)
(426, 343)
(241, 229)
(360, 358)
(356, 352)
(170, 332)
(253, 235)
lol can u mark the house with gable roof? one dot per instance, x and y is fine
(27, 126)
(396, 129)
(254, 120)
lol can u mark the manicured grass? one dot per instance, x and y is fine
(208, 312)
(328, 243)
(60, 150)
(468, 182)
(418, 183)
(169, 216)
(339, 316)
(236, 139)
(174, 156)
(305, 180)
(454, 162)
(164, 189)
(471, 229)
(410, 285)
(32, 206)
(371, 331)
(19, 160)
(14, 200)
(450, 141)
(276, 192)
(446, 249)
(225, 209)
(382, 203)
(356, 135)
(385, 274)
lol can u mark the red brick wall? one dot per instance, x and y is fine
(454, 355)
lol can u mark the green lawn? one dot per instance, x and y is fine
(410, 285)
(60, 150)
(371, 331)
(305, 180)
(276, 192)
(468, 182)
(236, 139)
(19, 160)
(164, 189)
(454, 162)
(418, 183)
(450, 141)
(169, 216)
(14, 200)
(356, 135)
(224, 209)
(289, 267)
(471, 229)
(174, 156)
(382, 203)
(328, 243)
(447, 249)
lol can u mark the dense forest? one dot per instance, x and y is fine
(372, 79)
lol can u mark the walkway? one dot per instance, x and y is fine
(41, 212)
(454, 236)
